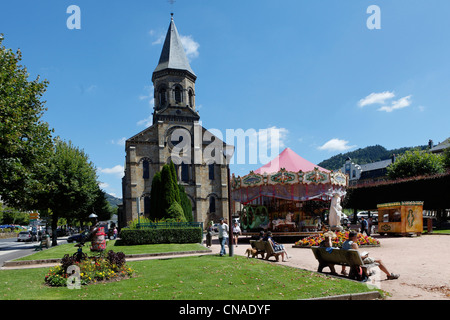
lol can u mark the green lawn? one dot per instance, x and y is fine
(59, 251)
(207, 277)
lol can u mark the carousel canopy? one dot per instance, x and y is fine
(288, 177)
(290, 161)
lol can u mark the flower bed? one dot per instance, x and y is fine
(315, 240)
(112, 266)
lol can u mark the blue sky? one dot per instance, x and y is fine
(311, 68)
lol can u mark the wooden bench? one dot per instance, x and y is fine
(350, 258)
(264, 248)
(43, 243)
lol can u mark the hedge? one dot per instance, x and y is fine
(161, 235)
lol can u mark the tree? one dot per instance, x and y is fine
(176, 212)
(185, 204)
(156, 211)
(170, 193)
(416, 163)
(71, 184)
(446, 158)
(25, 140)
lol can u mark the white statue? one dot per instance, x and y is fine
(334, 219)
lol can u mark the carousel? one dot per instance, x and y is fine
(289, 195)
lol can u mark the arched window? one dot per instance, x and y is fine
(212, 204)
(145, 169)
(185, 172)
(178, 94)
(147, 204)
(191, 99)
(162, 97)
(211, 171)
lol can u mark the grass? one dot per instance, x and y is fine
(207, 277)
(59, 251)
(442, 231)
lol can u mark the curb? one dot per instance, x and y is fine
(36, 263)
(372, 295)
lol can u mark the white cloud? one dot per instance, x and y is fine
(190, 46)
(267, 138)
(147, 122)
(376, 98)
(398, 104)
(336, 145)
(383, 98)
(120, 142)
(118, 171)
(103, 185)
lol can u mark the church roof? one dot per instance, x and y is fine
(173, 55)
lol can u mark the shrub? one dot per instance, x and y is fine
(92, 269)
(161, 235)
(175, 211)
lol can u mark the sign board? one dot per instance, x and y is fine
(34, 215)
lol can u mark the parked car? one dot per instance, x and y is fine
(77, 237)
(24, 236)
(361, 214)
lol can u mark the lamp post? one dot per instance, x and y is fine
(228, 152)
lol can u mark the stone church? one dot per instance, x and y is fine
(176, 135)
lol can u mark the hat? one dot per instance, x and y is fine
(221, 219)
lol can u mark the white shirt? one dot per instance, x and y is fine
(223, 230)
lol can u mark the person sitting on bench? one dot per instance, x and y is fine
(351, 244)
(326, 243)
(277, 247)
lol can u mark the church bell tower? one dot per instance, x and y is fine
(174, 82)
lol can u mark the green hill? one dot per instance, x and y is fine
(364, 155)
(113, 201)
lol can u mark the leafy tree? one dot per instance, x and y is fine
(156, 212)
(446, 158)
(165, 193)
(25, 140)
(173, 179)
(416, 163)
(170, 192)
(72, 186)
(185, 204)
(176, 212)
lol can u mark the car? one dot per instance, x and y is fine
(24, 236)
(77, 237)
(359, 215)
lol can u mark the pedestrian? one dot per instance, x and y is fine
(223, 236)
(364, 226)
(209, 231)
(236, 233)
(115, 233)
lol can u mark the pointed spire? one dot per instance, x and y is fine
(173, 55)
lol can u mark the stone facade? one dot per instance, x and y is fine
(176, 135)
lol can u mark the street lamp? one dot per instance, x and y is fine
(228, 152)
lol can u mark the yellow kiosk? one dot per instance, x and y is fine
(404, 218)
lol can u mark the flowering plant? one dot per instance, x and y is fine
(362, 240)
(91, 269)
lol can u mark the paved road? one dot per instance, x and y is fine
(11, 249)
